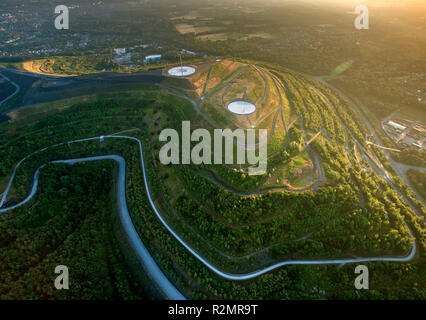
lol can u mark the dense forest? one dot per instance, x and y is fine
(239, 223)
(228, 224)
(69, 223)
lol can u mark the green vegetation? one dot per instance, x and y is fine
(70, 223)
(79, 65)
(418, 179)
(322, 196)
(411, 156)
(351, 214)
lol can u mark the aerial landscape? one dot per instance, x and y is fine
(212, 150)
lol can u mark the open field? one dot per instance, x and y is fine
(418, 179)
(184, 28)
(193, 15)
(233, 36)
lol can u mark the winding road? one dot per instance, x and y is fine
(142, 253)
(17, 88)
(153, 270)
(399, 168)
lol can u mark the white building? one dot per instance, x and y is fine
(120, 51)
(153, 57)
(397, 125)
(191, 53)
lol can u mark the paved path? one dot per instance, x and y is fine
(399, 168)
(207, 80)
(34, 75)
(17, 88)
(143, 255)
(137, 246)
(266, 82)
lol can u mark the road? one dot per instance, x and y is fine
(34, 75)
(141, 252)
(138, 245)
(150, 266)
(382, 147)
(266, 83)
(399, 168)
(373, 160)
(38, 89)
(158, 277)
(17, 88)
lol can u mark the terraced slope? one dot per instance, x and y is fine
(324, 198)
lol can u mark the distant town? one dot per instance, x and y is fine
(406, 133)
